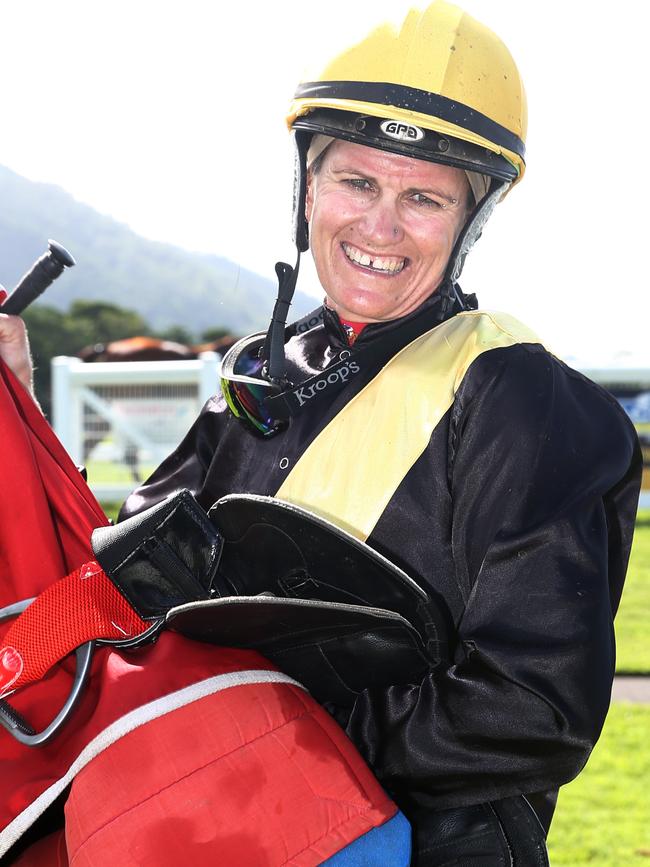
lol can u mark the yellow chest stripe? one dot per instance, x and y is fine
(354, 466)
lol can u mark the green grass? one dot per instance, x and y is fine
(603, 817)
(109, 472)
(632, 631)
(111, 510)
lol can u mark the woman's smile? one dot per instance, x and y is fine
(386, 265)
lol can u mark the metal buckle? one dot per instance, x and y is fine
(14, 722)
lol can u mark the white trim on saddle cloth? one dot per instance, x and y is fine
(127, 723)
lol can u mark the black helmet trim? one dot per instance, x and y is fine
(424, 144)
(413, 99)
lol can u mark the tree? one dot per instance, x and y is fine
(177, 333)
(50, 334)
(211, 334)
(53, 332)
(101, 322)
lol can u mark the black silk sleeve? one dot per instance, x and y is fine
(544, 478)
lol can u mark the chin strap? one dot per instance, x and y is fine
(273, 349)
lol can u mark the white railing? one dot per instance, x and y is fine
(121, 419)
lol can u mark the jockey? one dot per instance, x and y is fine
(443, 444)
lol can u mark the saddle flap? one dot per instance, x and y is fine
(276, 547)
(335, 650)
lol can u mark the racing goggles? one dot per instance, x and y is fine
(253, 371)
(246, 389)
(266, 404)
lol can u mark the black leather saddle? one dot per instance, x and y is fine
(326, 608)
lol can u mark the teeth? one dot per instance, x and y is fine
(390, 265)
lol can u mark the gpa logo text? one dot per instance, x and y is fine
(400, 131)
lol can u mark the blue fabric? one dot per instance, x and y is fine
(389, 845)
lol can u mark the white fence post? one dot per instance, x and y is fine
(209, 375)
(66, 407)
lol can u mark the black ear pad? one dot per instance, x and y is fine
(300, 226)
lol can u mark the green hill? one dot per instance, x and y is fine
(165, 284)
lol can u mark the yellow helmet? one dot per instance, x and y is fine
(443, 87)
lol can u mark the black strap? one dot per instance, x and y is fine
(273, 349)
(523, 830)
(414, 99)
(311, 320)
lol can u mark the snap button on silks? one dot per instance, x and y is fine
(284, 463)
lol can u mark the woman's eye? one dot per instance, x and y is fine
(425, 201)
(358, 183)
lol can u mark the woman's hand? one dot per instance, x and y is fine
(14, 346)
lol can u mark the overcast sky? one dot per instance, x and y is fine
(169, 116)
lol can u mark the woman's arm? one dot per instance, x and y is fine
(544, 485)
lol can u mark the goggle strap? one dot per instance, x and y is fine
(305, 323)
(288, 403)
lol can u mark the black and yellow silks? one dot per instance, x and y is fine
(515, 513)
(391, 421)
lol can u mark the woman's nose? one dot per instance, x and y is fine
(381, 224)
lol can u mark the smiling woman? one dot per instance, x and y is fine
(382, 229)
(446, 438)
(399, 425)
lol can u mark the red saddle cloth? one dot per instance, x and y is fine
(178, 741)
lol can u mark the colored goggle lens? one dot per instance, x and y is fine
(245, 392)
(246, 402)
